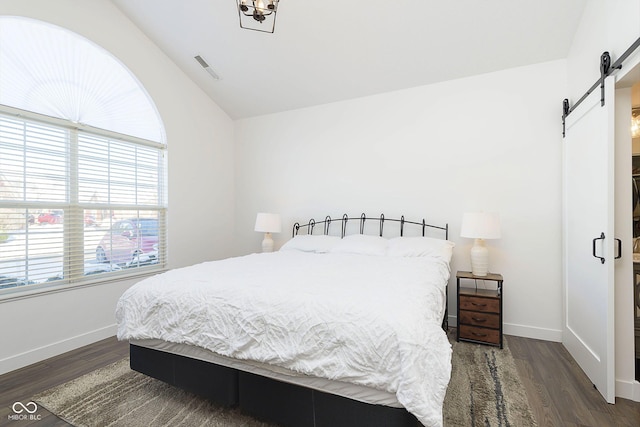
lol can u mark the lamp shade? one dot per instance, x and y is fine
(268, 223)
(480, 225)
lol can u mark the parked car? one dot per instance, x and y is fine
(129, 240)
(147, 258)
(53, 217)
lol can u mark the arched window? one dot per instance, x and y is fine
(82, 162)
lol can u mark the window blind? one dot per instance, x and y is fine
(52, 71)
(77, 204)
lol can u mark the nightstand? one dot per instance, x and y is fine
(479, 310)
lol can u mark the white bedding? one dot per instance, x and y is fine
(368, 320)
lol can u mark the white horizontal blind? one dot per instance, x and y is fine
(77, 205)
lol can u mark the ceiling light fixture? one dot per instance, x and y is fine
(258, 15)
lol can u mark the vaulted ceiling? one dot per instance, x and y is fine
(333, 50)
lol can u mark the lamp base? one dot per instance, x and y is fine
(479, 258)
(267, 243)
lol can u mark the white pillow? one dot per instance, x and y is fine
(420, 246)
(309, 243)
(361, 244)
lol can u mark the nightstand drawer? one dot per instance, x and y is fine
(480, 334)
(490, 305)
(479, 310)
(485, 320)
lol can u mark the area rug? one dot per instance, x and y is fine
(485, 390)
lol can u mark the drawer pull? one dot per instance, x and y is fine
(478, 335)
(478, 305)
(475, 319)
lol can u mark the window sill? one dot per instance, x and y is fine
(32, 291)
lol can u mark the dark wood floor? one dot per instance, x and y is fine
(22, 384)
(559, 392)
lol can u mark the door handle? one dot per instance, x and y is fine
(619, 242)
(594, 247)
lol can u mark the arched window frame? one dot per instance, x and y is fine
(135, 189)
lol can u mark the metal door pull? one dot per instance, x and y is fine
(594, 247)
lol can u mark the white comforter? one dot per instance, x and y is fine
(369, 320)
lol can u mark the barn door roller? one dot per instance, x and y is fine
(606, 68)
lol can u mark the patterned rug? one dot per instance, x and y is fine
(485, 390)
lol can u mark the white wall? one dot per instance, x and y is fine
(201, 192)
(490, 142)
(612, 26)
(606, 25)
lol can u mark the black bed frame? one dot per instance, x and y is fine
(268, 399)
(310, 226)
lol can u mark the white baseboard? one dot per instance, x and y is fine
(628, 390)
(39, 354)
(533, 332)
(524, 331)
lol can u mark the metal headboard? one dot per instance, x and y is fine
(345, 218)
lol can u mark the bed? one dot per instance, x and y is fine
(331, 330)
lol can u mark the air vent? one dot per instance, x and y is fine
(206, 67)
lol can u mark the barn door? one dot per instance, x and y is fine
(589, 246)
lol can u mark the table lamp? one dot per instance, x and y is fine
(480, 226)
(268, 223)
